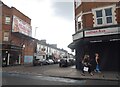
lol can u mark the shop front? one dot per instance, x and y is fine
(108, 49)
(105, 42)
(11, 55)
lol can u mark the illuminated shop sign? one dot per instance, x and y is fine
(21, 26)
(99, 32)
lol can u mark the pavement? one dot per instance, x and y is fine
(64, 72)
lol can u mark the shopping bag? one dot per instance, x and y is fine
(85, 68)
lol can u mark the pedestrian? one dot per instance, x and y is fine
(97, 59)
(86, 65)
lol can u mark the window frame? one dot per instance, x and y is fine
(108, 16)
(6, 20)
(104, 18)
(77, 22)
(6, 36)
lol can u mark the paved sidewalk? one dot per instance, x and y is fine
(66, 72)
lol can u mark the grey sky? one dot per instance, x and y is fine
(53, 19)
(63, 9)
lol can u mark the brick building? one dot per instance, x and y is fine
(17, 42)
(97, 30)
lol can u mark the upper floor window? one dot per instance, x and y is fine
(108, 14)
(99, 17)
(104, 16)
(79, 23)
(7, 20)
(6, 36)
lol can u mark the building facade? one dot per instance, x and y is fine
(49, 51)
(97, 30)
(17, 42)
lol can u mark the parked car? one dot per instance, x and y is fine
(36, 62)
(64, 62)
(50, 61)
(72, 61)
(44, 62)
(56, 61)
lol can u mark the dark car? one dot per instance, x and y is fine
(37, 62)
(64, 62)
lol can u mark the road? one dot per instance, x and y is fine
(26, 79)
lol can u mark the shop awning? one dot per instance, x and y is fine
(75, 43)
(93, 39)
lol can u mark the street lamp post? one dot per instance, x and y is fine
(35, 31)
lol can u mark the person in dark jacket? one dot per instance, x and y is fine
(86, 64)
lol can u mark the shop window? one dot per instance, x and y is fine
(104, 16)
(7, 20)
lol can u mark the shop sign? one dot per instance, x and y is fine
(15, 47)
(21, 26)
(78, 36)
(99, 32)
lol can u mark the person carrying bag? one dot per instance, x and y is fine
(86, 65)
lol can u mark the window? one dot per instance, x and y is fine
(79, 23)
(6, 36)
(104, 16)
(99, 17)
(108, 14)
(7, 20)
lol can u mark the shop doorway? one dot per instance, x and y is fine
(109, 54)
(14, 57)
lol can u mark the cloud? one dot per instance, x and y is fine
(63, 9)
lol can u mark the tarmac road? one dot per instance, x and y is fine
(27, 79)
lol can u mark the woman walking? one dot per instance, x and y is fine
(86, 65)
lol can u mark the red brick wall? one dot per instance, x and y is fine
(87, 6)
(118, 15)
(88, 21)
(88, 18)
(6, 27)
(7, 11)
(20, 15)
(29, 45)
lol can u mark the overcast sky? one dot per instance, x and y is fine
(54, 19)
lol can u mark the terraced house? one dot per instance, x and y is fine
(97, 30)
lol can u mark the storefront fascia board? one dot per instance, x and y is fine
(77, 36)
(99, 39)
(102, 32)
